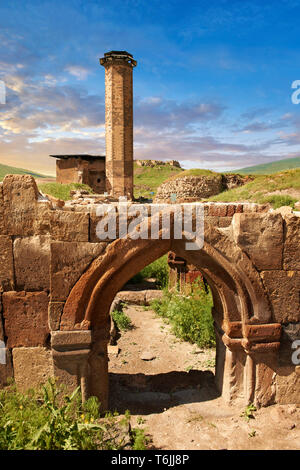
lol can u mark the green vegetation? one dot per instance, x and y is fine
(273, 167)
(189, 316)
(42, 420)
(158, 270)
(62, 191)
(195, 172)
(11, 170)
(248, 412)
(121, 320)
(260, 188)
(147, 179)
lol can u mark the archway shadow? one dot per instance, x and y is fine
(146, 394)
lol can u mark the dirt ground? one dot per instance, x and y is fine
(172, 395)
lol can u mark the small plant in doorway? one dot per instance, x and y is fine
(121, 320)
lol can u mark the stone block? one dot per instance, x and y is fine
(291, 253)
(287, 386)
(70, 226)
(68, 262)
(225, 221)
(71, 340)
(6, 370)
(25, 318)
(33, 366)
(283, 291)
(219, 210)
(260, 236)
(6, 264)
(55, 311)
(20, 195)
(32, 263)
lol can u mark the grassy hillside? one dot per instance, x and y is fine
(147, 179)
(11, 170)
(269, 168)
(279, 189)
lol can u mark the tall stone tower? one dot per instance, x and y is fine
(119, 122)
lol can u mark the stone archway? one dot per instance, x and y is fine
(241, 312)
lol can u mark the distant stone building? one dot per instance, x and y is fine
(86, 169)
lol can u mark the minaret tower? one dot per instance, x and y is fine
(119, 122)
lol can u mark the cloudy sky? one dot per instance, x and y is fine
(212, 88)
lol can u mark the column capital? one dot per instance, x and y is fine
(118, 57)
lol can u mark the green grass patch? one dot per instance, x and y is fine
(43, 419)
(196, 172)
(11, 170)
(158, 270)
(258, 189)
(272, 167)
(62, 191)
(121, 320)
(189, 316)
(147, 179)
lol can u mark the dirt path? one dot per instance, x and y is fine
(174, 397)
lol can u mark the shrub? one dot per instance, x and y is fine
(122, 321)
(43, 420)
(189, 316)
(279, 200)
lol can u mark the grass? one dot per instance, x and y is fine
(158, 270)
(273, 167)
(196, 172)
(62, 191)
(11, 170)
(258, 190)
(121, 320)
(189, 316)
(147, 179)
(42, 420)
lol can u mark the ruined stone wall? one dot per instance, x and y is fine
(195, 188)
(77, 170)
(45, 252)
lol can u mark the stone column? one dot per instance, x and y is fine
(119, 122)
(70, 352)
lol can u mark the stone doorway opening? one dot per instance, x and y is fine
(239, 304)
(151, 369)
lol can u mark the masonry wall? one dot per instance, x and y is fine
(77, 170)
(44, 251)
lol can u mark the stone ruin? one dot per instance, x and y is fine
(58, 281)
(190, 188)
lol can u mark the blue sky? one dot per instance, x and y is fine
(212, 88)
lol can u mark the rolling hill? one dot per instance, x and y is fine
(269, 168)
(11, 170)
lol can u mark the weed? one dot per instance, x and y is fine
(190, 317)
(121, 320)
(44, 419)
(248, 412)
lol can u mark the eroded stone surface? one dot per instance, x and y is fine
(6, 264)
(283, 290)
(68, 261)
(25, 318)
(32, 256)
(32, 366)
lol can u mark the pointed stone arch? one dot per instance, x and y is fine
(240, 301)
